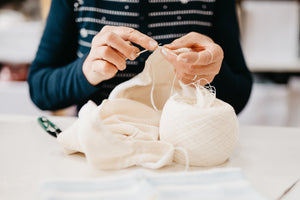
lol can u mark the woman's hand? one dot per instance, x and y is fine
(110, 49)
(202, 61)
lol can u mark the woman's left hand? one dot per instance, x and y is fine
(203, 61)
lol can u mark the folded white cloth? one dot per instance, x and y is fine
(139, 124)
(215, 184)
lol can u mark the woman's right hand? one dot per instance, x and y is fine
(110, 49)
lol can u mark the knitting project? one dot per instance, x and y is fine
(153, 120)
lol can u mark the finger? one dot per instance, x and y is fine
(169, 55)
(196, 58)
(190, 40)
(203, 69)
(110, 55)
(104, 68)
(186, 79)
(134, 36)
(202, 79)
(115, 41)
(211, 54)
(205, 79)
(191, 77)
(179, 43)
(120, 54)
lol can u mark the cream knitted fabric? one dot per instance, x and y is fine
(140, 124)
(117, 134)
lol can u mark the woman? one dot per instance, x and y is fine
(86, 49)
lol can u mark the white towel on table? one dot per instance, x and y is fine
(215, 184)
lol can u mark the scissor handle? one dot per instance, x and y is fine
(48, 126)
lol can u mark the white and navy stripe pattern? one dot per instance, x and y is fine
(163, 20)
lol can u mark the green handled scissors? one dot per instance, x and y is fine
(48, 126)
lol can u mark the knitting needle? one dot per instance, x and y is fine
(145, 50)
(139, 53)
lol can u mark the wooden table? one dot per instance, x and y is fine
(269, 157)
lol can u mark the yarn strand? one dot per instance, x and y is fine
(152, 91)
(173, 84)
(186, 157)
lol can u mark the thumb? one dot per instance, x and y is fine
(174, 45)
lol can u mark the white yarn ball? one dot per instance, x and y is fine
(207, 133)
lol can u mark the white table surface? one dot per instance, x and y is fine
(268, 156)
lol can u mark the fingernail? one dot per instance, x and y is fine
(169, 45)
(133, 56)
(153, 44)
(163, 50)
(123, 67)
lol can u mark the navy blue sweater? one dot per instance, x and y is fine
(56, 79)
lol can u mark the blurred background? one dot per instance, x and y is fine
(269, 36)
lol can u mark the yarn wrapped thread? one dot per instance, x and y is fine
(203, 126)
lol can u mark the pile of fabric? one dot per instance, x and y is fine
(153, 120)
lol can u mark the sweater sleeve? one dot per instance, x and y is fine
(234, 81)
(55, 77)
